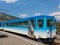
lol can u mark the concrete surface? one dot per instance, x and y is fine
(11, 39)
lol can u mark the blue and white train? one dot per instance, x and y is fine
(35, 27)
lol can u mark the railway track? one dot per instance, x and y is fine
(56, 41)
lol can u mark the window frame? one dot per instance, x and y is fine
(40, 24)
(24, 23)
(19, 23)
(48, 23)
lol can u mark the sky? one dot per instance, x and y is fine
(28, 8)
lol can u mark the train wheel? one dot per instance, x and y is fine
(39, 40)
(51, 40)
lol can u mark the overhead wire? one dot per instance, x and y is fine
(38, 4)
(21, 10)
(4, 10)
(28, 2)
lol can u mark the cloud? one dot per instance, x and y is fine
(56, 15)
(37, 14)
(9, 1)
(59, 6)
(23, 16)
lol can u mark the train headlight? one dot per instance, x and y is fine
(47, 31)
(55, 30)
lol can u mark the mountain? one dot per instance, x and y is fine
(4, 17)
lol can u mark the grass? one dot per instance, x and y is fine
(58, 27)
(58, 30)
(58, 24)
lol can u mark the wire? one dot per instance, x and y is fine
(14, 7)
(39, 3)
(21, 10)
(28, 2)
(4, 10)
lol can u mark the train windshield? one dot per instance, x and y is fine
(50, 23)
(40, 23)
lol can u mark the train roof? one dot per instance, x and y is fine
(41, 16)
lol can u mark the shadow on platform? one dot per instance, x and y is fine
(3, 36)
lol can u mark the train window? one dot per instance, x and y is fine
(15, 23)
(40, 22)
(50, 22)
(0, 24)
(12, 24)
(7, 24)
(25, 23)
(19, 23)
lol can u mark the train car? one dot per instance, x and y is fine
(35, 27)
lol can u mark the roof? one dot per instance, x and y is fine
(41, 16)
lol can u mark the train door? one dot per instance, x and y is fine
(31, 28)
(40, 28)
(50, 31)
(50, 25)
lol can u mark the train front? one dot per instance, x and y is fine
(46, 28)
(51, 28)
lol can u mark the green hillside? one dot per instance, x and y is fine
(58, 27)
(4, 17)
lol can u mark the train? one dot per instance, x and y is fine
(42, 26)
